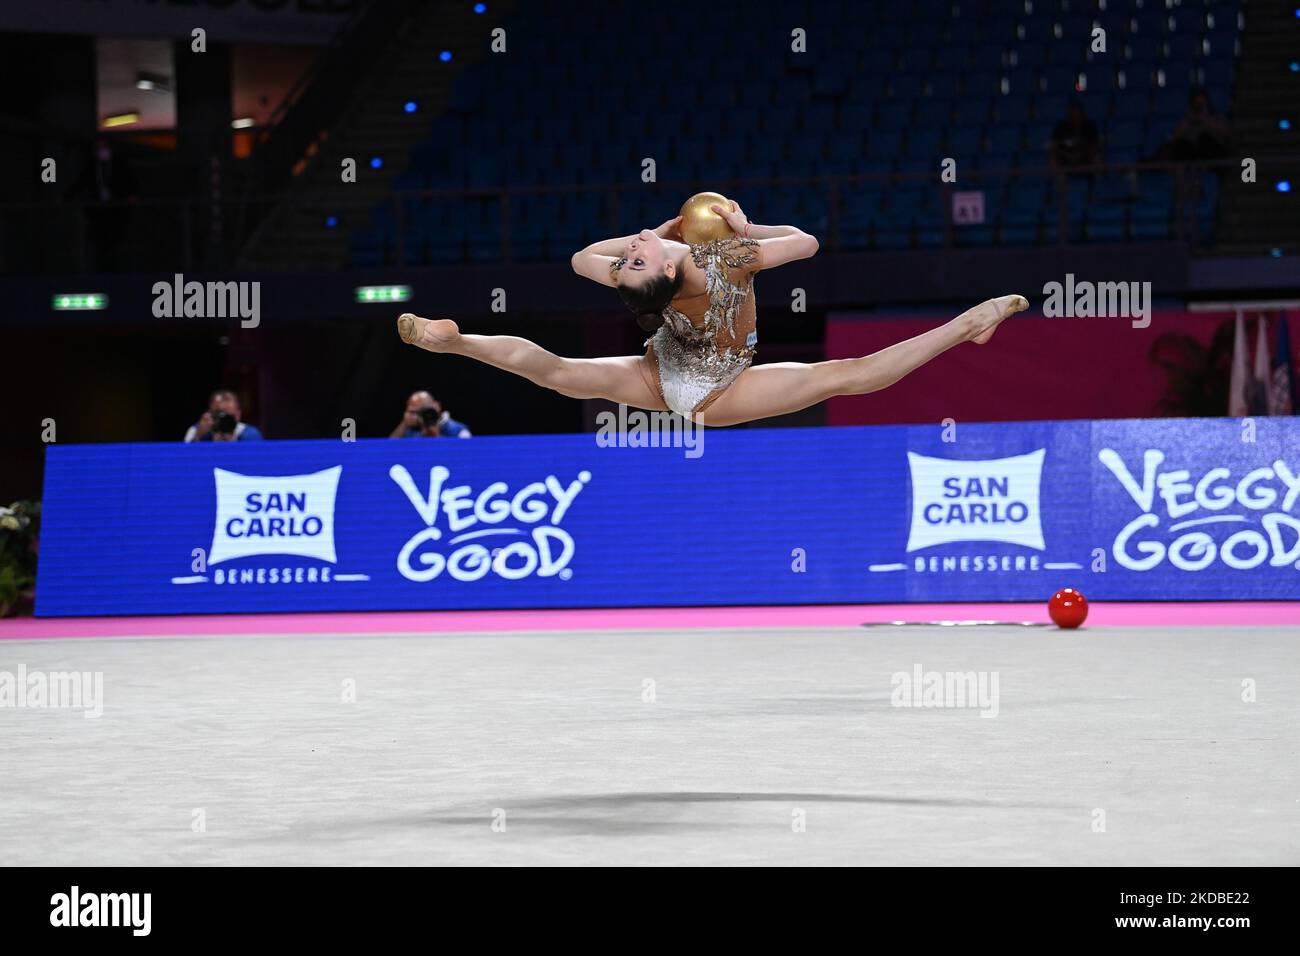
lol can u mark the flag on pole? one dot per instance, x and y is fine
(1281, 393)
(1238, 406)
(1262, 372)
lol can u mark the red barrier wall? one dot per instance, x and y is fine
(1034, 368)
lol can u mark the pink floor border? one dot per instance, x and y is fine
(1190, 614)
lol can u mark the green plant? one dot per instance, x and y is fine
(20, 526)
(1197, 374)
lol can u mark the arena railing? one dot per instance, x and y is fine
(164, 234)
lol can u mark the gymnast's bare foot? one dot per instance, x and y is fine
(434, 335)
(982, 321)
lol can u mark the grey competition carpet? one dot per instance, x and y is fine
(1107, 747)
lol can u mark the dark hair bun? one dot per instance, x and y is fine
(650, 321)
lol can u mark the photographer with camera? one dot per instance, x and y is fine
(425, 418)
(221, 422)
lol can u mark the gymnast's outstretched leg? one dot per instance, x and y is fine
(764, 391)
(625, 379)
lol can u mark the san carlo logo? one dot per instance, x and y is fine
(292, 516)
(957, 502)
(513, 534)
(1240, 518)
(283, 516)
(1237, 514)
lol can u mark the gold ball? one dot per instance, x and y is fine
(700, 223)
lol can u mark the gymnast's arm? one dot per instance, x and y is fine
(775, 249)
(777, 245)
(596, 260)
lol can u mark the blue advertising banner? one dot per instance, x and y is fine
(1139, 510)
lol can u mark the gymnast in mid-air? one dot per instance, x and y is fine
(696, 297)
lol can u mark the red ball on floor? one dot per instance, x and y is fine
(1068, 608)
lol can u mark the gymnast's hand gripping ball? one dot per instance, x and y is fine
(700, 223)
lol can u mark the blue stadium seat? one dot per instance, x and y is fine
(1169, 102)
(1156, 188)
(1021, 233)
(1157, 133)
(1150, 221)
(884, 143)
(1050, 107)
(1058, 78)
(1100, 78)
(905, 85)
(981, 83)
(819, 117)
(1131, 106)
(876, 165)
(866, 87)
(1221, 45)
(997, 159)
(934, 114)
(1143, 48)
(1011, 110)
(831, 82)
(1183, 46)
(925, 142)
(984, 81)
(983, 235)
(1187, 20)
(1038, 136)
(966, 141)
(892, 232)
(1136, 80)
(1216, 76)
(1028, 57)
(1005, 139)
(1176, 76)
(894, 114)
(918, 165)
(1124, 133)
(1027, 194)
(1075, 28)
(942, 86)
(845, 146)
(917, 60)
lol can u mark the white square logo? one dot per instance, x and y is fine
(291, 514)
(991, 500)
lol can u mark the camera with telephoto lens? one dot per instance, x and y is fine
(224, 423)
(430, 417)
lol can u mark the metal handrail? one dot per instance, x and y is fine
(836, 186)
(479, 192)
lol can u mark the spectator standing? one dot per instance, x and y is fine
(1075, 141)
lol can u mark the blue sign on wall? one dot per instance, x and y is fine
(1141, 510)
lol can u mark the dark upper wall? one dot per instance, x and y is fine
(541, 290)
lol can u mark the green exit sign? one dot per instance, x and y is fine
(383, 293)
(79, 301)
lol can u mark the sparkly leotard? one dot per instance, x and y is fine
(709, 338)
